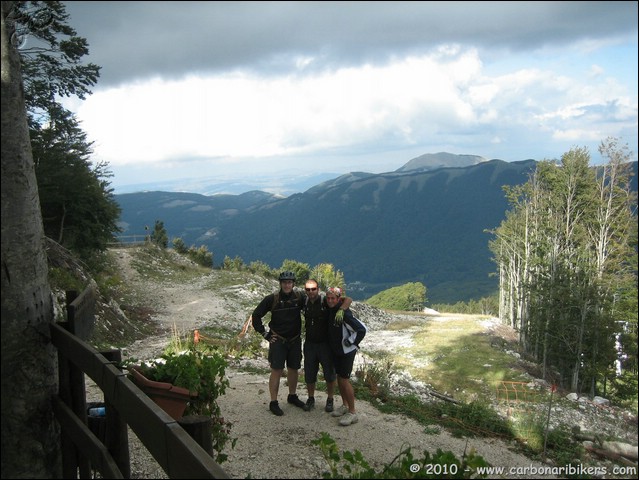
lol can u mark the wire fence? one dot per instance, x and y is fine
(528, 406)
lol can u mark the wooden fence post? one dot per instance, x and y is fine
(76, 386)
(117, 433)
(199, 428)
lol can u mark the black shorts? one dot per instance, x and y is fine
(344, 364)
(316, 354)
(287, 352)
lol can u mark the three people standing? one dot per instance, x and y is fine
(324, 317)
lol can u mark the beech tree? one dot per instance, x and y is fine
(564, 255)
(30, 436)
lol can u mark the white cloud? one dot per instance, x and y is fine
(242, 114)
(350, 86)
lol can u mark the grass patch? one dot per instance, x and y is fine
(402, 325)
(439, 357)
(165, 265)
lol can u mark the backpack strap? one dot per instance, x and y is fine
(276, 299)
(321, 300)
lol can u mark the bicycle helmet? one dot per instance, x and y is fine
(287, 276)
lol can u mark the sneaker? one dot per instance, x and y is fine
(292, 398)
(348, 419)
(310, 404)
(340, 411)
(275, 408)
(329, 405)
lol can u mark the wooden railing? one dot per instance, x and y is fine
(129, 240)
(179, 455)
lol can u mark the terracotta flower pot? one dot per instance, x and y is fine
(173, 400)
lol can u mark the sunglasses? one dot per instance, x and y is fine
(311, 289)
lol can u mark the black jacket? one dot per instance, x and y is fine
(286, 318)
(335, 330)
(316, 320)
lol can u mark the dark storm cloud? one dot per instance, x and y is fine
(135, 40)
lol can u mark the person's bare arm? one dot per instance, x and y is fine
(346, 303)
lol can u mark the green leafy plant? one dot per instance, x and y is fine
(196, 371)
(202, 372)
(404, 465)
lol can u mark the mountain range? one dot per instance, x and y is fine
(425, 222)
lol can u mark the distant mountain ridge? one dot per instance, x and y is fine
(380, 230)
(278, 184)
(284, 184)
(431, 161)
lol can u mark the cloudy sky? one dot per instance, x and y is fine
(214, 89)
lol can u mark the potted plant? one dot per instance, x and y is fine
(171, 398)
(188, 383)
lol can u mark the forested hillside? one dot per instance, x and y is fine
(380, 230)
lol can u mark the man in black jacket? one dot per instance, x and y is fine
(285, 342)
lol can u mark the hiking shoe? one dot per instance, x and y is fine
(340, 411)
(348, 419)
(275, 408)
(329, 405)
(292, 398)
(310, 404)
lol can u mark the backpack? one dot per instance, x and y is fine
(276, 299)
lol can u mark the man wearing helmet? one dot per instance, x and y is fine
(285, 342)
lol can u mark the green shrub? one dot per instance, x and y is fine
(179, 246)
(376, 376)
(201, 256)
(404, 465)
(64, 280)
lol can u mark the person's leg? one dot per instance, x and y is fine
(348, 395)
(311, 367)
(276, 357)
(328, 369)
(293, 364)
(330, 389)
(347, 392)
(338, 362)
(344, 367)
(274, 383)
(292, 376)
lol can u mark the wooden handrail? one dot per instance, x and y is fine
(179, 455)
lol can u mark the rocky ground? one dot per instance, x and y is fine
(280, 447)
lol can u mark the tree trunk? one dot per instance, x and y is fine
(30, 436)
